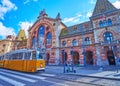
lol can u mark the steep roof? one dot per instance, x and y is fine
(21, 35)
(103, 6)
(76, 29)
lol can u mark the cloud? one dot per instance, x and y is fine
(92, 2)
(6, 6)
(35, 0)
(117, 4)
(5, 31)
(27, 1)
(25, 26)
(89, 14)
(73, 19)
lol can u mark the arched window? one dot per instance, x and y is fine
(49, 38)
(109, 22)
(34, 42)
(41, 32)
(74, 42)
(104, 23)
(101, 24)
(108, 37)
(87, 40)
(64, 43)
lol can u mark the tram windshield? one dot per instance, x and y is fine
(39, 55)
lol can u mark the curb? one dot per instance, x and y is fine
(118, 79)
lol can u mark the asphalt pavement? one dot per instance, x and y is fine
(111, 72)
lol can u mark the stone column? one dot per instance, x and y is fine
(57, 33)
(98, 55)
(97, 48)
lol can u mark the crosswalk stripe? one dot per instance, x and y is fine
(55, 83)
(28, 75)
(19, 77)
(48, 74)
(11, 81)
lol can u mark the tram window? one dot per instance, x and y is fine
(7, 57)
(14, 56)
(10, 57)
(27, 55)
(0, 58)
(34, 55)
(20, 56)
(40, 56)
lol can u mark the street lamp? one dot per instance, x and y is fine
(83, 46)
(72, 53)
(63, 54)
(84, 54)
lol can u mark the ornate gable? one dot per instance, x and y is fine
(21, 35)
(103, 6)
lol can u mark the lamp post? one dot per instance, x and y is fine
(84, 54)
(63, 54)
(83, 46)
(72, 53)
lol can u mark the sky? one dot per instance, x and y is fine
(17, 14)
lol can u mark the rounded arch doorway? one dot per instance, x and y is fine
(76, 57)
(89, 57)
(64, 57)
(47, 58)
(110, 56)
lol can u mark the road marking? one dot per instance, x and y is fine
(55, 83)
(28, 75)
(11, 81)
(47, 74)
(19, 77)
(33, 76)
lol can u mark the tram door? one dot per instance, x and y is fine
(111, 58)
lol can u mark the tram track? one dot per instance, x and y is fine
(70, 79)
(107, 78)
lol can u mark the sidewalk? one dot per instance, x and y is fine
(92, 71)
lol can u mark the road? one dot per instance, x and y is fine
(15, 78)
(53, 76)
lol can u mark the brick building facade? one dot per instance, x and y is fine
(95, 42)
(45, 33)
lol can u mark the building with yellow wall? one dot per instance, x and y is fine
(6, 44)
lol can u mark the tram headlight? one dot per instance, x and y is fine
(41, 65)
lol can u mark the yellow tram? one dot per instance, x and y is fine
(23, 60)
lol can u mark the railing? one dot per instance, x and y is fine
(110, 42)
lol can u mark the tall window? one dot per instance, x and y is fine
(34, 42)
(64, 43)
(49, 38)
(101, 24)
(87, 40)
(104, 23)
(41, 33)
(109, 22)
(108, 37)
(74, 42)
